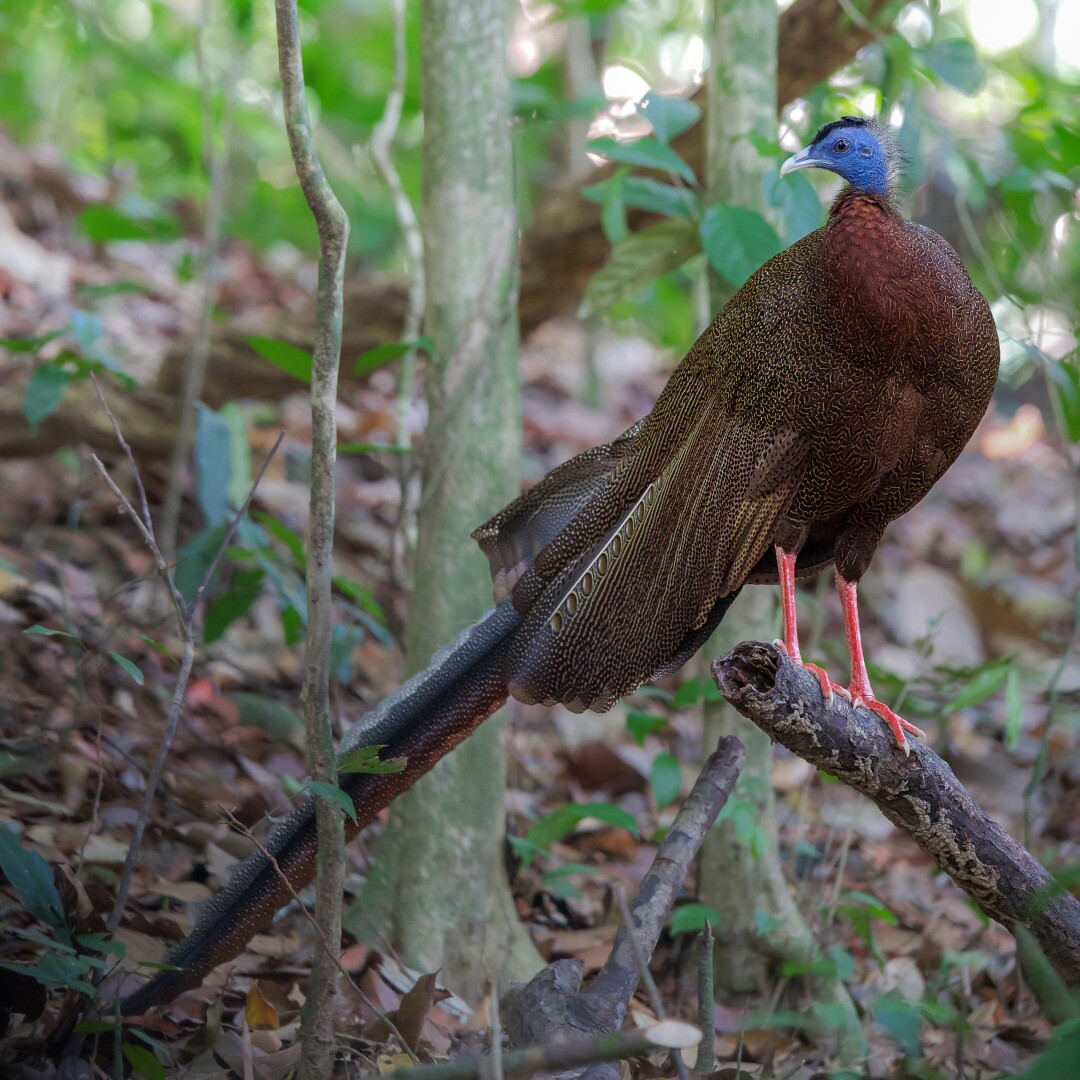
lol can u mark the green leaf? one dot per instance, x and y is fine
(333, 794)
(665, 780)
(646, 153)
(284, 355)
(636, 262)
(641, 725)
(365, 759)
(213, 460)
(278, 718)
(47, 631)
(29, 344)
(797, 202)
(128, 667)
(157, 645)
(956, 62)
(101, 224)
(695, 690)
(645, 193)
(280, 531)
(1014, 709)
(245, 588)
(391, 350)
(144, 1062)
(372, 448)
(669, 115)
(982, 684)
(94, 1027)
(737, 241)
(44, 391)
(613, 211)
(563, 821)
(31, 877)
(691, 918)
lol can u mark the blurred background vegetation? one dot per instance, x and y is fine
(151, 108)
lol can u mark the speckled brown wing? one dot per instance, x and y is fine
(689, 505)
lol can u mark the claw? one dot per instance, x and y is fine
(822, 676)
(897, 724)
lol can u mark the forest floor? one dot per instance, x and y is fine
(968, 612)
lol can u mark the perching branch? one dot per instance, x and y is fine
(918, 794)
(333, 227)
(552, 1008)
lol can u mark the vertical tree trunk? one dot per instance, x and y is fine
(746, 886)
(438, 892)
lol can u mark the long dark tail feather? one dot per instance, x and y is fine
(421, 722)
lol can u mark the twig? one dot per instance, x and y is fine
(333, 229)
(535, 1059)
(920, 795)
(552, 1007)
(497, 1072)
(332, 954)
(706, 1058)
(186, 617)
(646, 977)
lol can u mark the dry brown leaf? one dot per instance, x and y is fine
(258, 1011)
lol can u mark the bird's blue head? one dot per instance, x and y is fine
(861, 151)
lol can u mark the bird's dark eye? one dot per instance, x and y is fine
(841, 146)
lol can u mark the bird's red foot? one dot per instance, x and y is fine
(822, 676)
(864, 696)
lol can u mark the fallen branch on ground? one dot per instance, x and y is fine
(551, 1008)
(918, 794)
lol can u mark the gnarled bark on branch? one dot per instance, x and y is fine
(560, 252)
(919, 794)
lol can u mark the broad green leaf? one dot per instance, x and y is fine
(144, 1062)
(641, 725)
(31, 877)
(101, 224)
(129, 667)
(670, 115)
(797, 202)
(95, 1027)
(613, 210)
(646, 153)
(981, 685)
(213, 460)
(278, 718)
(284, 355)
(645, 193)
(365, 759)
(333, 794)
(691, 918)
(737, 241)
(665, 779)
(391, 350)
(636, 262)
(955, 61)
(694, 690)
(195, 558)
(44, 391)
(57, 969)
(244, 589)
(280, 531)
(29, 344)
(563, 821)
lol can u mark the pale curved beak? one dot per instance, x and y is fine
(801, 160)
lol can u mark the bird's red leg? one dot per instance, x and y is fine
(860, 691)
(785, 562)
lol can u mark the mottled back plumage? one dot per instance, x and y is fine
(823, 402)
